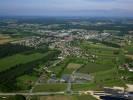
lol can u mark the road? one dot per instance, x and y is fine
(50, 93)
(32, 94)
(39, 93)
(69, 85)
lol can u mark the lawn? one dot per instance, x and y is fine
(50, 87)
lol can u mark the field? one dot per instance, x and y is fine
(129, 56)
(129, 49)
(50, 87)
(94, 67)
(81, 97)
(20, 70)
(105, 63)
(5, 39)
(71, 67)
(55, 97)
(25, 81)
(85, 87)
(11, 61)
(59, 68)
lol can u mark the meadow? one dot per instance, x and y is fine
(55, 87)
(11, 61)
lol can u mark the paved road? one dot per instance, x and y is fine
(69, 85)
(32, 94)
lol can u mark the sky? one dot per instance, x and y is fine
(66, 8)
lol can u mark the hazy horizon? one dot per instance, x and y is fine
(105, 8)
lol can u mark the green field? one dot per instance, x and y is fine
(22, 64)
(50, 87)
(11, 61)
(25, 81)
(71, 67)
(55, 97)
(63, 97)
(85, 87)
(104, 68)
(94, 67)
(129, 49)
(59, 68)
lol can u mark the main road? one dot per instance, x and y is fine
(32, 94)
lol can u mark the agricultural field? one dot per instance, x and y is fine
(50, 87)
(53, 97)
(5, 39)
(74, 97)
(25, 81)
(129, 49)
(85, 86)
(71, 67)
(65, 59)
(129, 56)
(104, 61)
(16, 97)
(18, 59)
(59, 68)
(94, 67)
(23, 66)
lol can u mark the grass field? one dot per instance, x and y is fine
(26, 78)
(104, 68)
(50, 88)
(74, 97)
(85, 87)
(130, 56)
(59, 68)
(108, 78)
(93, 68)
(11, 61)
(129, 49)
(25, 81)
(71, 67)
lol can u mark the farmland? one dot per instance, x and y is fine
(5, 39)
(64, 59)
(21, 66)
(18, 59)
(81, 97)
(50, 88)
(72, 67)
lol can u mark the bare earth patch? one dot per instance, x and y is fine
(130, 87)
(4, 39)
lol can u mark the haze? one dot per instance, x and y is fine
(120, 8)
